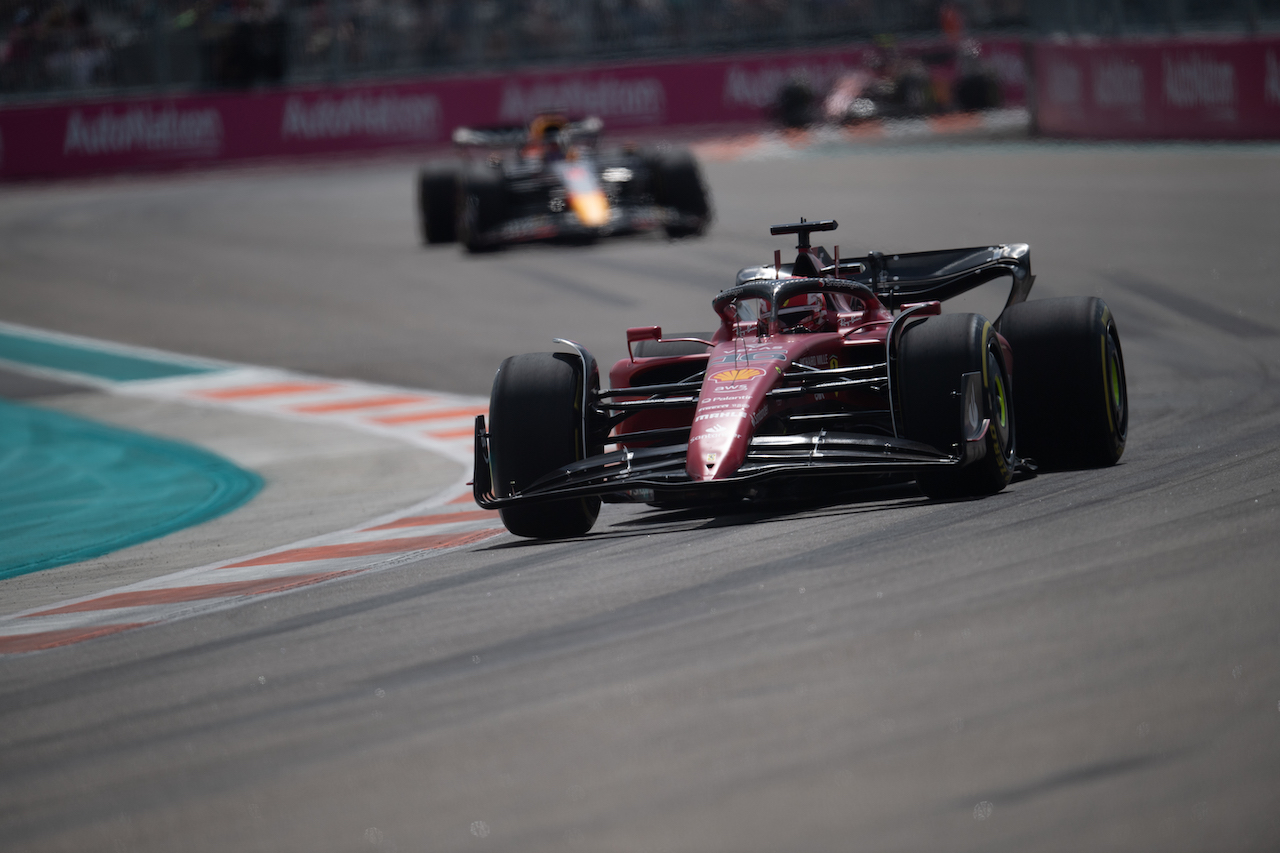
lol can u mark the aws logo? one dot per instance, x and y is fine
(738, 375)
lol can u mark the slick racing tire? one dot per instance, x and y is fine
(1070, 398)
(796, 105)
(437, 205)
(535, 427)
(482, 206)
(952, 377)
(677, 184)
(977, 92)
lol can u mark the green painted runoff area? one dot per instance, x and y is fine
(72, 489)
(89, 361)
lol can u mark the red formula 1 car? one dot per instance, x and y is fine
(838, 371)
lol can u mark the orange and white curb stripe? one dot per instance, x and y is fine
(432, 420)
(435, 421)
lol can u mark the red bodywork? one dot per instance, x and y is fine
(749, 359)
(803, 388)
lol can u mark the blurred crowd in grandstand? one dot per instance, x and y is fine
(65, 47)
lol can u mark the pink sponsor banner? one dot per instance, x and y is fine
(165, 133)
(1167, 89)
(137, 134)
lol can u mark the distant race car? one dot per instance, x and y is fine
(551, 181)
(894, 85)
(827, 373)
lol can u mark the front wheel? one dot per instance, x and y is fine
(437, 204)
(482, 207)
(1072, 401)
(536, 424)
(954, 390)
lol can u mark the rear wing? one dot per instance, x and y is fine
(490, 137)
(911, 277)
(512, 136)
(924, 276)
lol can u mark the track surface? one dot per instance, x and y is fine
(1089, 660)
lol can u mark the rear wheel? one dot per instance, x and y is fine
(535, 427)
(482, 206)
(1071, 402)
(438, 205)
(677, 184)
(954, 390)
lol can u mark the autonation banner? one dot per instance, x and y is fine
(143, 129)
(138, 134)
(1174, 89)
(155, 134)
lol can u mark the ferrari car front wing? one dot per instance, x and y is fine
(662, 469)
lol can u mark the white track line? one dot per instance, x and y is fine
(435, 421)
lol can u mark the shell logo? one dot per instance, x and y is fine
(738, 375)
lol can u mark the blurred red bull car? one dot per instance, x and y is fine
(553, 181)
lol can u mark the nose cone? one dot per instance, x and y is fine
(717, 448)
(591, 208)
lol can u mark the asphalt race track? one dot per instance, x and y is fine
(1089, 660)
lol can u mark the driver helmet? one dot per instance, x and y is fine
(546, 126)
(805, 312)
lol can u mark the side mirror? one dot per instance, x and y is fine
(642, 333)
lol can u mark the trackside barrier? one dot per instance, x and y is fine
(157, 133)
(1159, 89)
(1211, 88)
